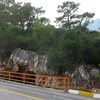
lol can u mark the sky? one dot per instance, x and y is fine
(50, 6)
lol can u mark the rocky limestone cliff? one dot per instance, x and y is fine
(84, 75)
(28, 61)
(24, 60)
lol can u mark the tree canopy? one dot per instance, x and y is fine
(70, 19)
(67, 47)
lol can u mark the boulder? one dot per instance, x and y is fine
(24, 60)
(94, 72)
(83, 75)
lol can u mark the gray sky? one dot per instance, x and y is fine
(50, 6)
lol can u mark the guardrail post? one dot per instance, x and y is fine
(9, 76)
(23, 78)
(41, 80)
(65, 83)
(68, 84)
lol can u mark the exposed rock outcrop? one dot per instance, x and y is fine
(84, 76)
(24, 60)
(28, 61)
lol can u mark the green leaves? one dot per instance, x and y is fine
(70, 19)
(67, 9)
(42, 34)
(18, 14)
(73, 49)
(67, 47)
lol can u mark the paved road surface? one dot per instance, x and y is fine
(19, 91)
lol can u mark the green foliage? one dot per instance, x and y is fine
(98, 77)
(73, 49)
(16, 26)
(69, 19)
(67, 47)
(22, 15)
(67, 52)
(92, 52)
(68, 10)
(42, 34)
(18, 14)
(7, 43)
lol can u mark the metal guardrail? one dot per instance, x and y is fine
(57, 82)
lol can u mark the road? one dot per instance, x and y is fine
(19, 91)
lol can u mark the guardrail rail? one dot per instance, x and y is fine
(57, 82)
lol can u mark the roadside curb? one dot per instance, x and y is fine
(83, 93)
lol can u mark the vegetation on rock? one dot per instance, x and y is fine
(68, 46)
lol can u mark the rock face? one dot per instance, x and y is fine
(84, 75)
(28, 61)
(94, 72)
(24, 60)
